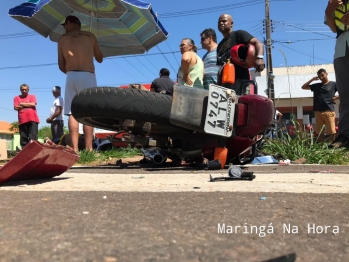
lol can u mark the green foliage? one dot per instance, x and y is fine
(304, 145)
(14, 127)
(44, 132)
(100, 156)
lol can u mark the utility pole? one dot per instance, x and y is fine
(268, 45)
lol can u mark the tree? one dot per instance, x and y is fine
(14, 127)
(45, 131)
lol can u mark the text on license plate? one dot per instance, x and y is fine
(220, 111)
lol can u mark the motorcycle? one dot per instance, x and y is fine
(191, 125)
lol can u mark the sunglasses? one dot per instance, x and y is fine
(203, 38)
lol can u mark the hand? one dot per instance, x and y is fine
(315, 78)
(332, 5)
(48, 120)
(187, 80)
(259, 64)
(345, 19)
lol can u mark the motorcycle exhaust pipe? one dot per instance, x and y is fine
(154, 155)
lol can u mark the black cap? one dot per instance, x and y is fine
(72, 19)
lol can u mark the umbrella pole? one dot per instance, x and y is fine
(92, 13)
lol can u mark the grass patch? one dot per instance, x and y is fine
(304, 145)
(100, 156)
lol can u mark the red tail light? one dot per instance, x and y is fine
(240, 115)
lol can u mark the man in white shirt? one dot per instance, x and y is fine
(56, 115)
(278, 116)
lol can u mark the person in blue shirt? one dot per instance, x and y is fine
(209, 42)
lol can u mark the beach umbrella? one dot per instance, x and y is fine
(122, 27)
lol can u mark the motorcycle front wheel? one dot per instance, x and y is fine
(103, 106)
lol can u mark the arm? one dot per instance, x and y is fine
(61, 59)
(57, 113)
(18, 107)
(185, 63)
(259, 63)
(306, 85)
(152, 88)
(97, 51)
(29, 104)
(335, 98)
(279, 114)
(331, 7)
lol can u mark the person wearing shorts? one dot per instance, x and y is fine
(76, 51)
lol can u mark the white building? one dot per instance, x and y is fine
(289, 95)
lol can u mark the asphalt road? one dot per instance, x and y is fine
(109, 216)
(115, 226)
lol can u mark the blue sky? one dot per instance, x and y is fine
(27, 57)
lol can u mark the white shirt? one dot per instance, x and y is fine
(58, 102)
(276, 114)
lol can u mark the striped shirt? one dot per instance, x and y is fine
(211, 68)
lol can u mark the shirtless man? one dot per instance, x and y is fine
(76, 50)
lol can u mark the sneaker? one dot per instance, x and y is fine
(340, 141)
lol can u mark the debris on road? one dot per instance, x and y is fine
(264, 160)
(285, 162)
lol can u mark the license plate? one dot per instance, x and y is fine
(220, 111)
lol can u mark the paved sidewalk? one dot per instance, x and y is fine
(194, 181)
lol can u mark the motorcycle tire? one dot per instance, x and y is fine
(103, 106)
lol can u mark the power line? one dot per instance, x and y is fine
(210, 9)
(301, 40)
(304, 53)
(166, 59)
(302, 29)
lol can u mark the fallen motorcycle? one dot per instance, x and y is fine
(190, 125)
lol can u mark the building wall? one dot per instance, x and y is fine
(287, 87)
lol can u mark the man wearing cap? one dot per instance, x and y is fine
(76, 50)
(56, 115)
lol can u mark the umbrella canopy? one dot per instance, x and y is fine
(121, 26)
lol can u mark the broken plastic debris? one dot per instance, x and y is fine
(285, 162)
(263, 198)
(105, 197)
(85, 212)
(235, 171)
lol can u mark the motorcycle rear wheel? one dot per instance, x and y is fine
(103, 106)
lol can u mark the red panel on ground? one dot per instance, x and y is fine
(38, 161)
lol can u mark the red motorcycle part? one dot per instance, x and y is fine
(257, 115)
(243, 55)
(38, 161)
